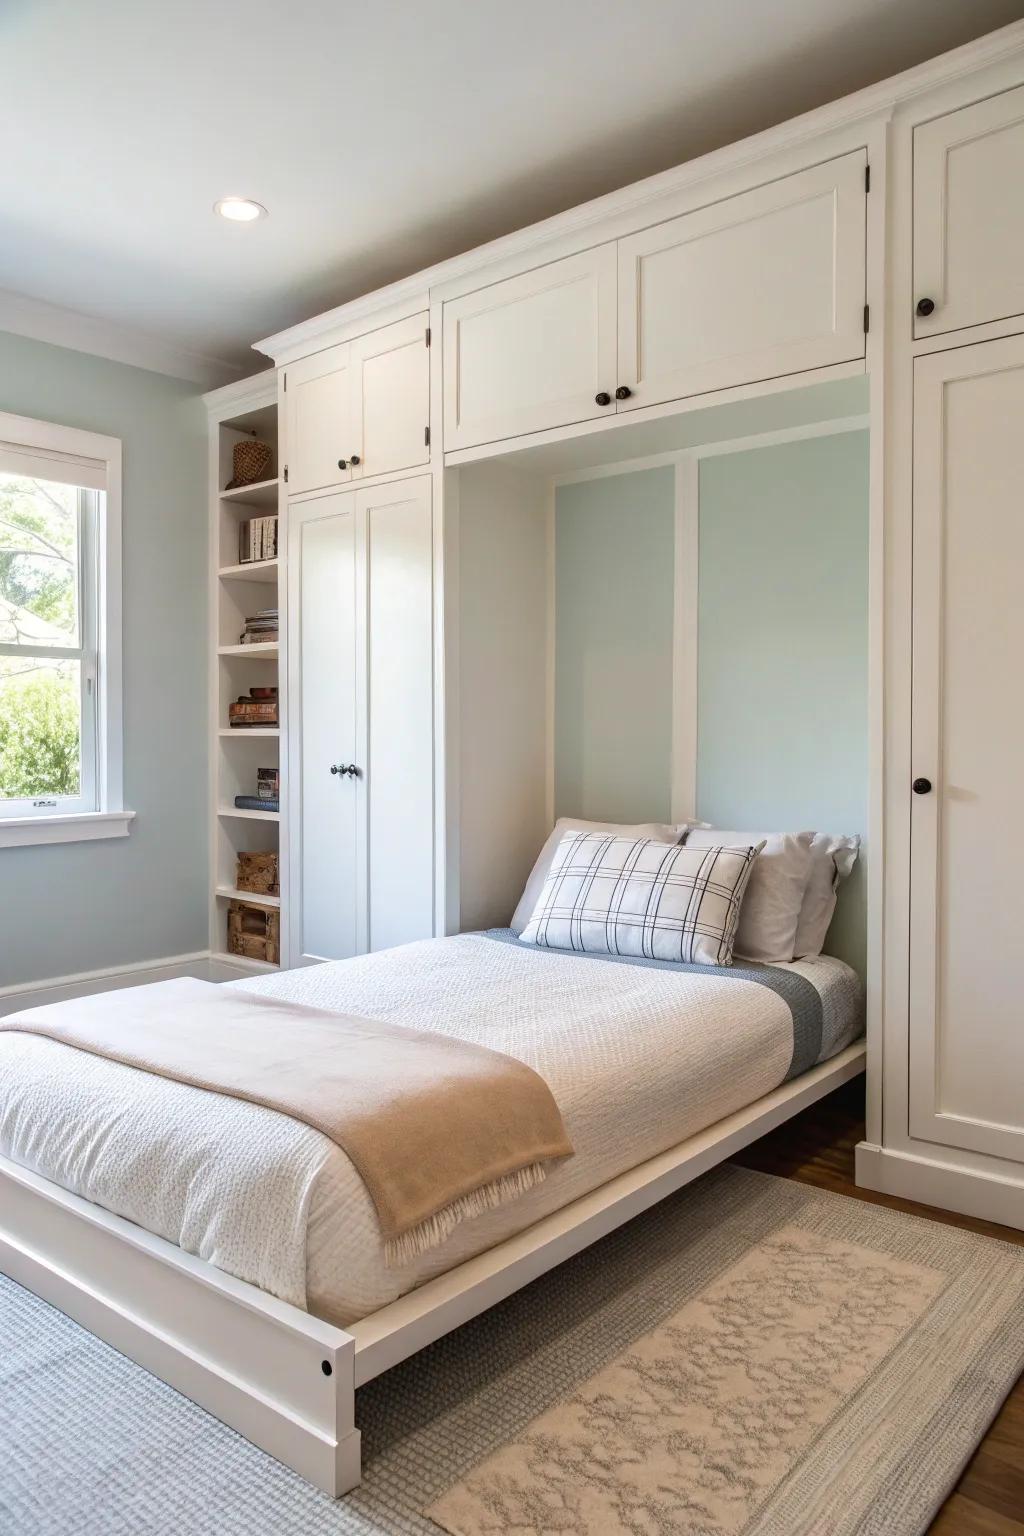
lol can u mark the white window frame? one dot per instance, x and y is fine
(99, 811)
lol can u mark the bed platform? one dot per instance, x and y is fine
(277, 1374)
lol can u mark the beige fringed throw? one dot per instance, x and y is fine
(439, 1130)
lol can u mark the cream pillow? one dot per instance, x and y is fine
(774, 898)
(656, 831)
(641, 898)
(832, 859)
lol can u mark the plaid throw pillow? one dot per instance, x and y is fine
(631, 896)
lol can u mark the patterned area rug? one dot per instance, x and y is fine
(751, 1358)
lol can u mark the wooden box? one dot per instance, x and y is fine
(254, 932)
(257, 872)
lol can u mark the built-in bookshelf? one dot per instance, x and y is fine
(246, 658)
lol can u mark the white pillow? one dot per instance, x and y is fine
(772, 905)
(654, 830)
(634, 896)
(832, 859)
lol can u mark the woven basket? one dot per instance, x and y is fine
(250, 461)
(257, 872)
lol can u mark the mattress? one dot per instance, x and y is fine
(639, 1056)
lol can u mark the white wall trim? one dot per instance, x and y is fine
(83, 827)
(56, 989)
(24, 316)
(947, 1186)
(685, 630)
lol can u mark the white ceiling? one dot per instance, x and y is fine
(382, 135)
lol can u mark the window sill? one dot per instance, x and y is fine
(22, 831)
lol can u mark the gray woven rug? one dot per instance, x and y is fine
(789, 1362)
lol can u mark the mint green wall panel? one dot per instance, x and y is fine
(614, 542)
(783, 646)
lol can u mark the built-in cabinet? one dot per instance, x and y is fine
(359, 409)
(758, 269)
(535, 351)
(969, 216)
(361, 743)
(967, 845)
(767, 283)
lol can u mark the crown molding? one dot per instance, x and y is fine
(248, 394)
(40, 321)
(884, 97)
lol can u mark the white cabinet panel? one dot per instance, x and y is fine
(390, 371)
(967, 836)
(395, 535)
(766, 283)
(969, 215)
(361, 694)
(318, 413)
(326, 807)
(531, 352)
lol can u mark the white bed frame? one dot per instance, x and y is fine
(282, 1378)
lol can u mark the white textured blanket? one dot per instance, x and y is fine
(637, 1058)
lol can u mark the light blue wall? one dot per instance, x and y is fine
(85, 906)
(614, 541)
(783, 646)
(782, 712)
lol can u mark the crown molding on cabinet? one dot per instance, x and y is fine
(410, 293)
(21, 315)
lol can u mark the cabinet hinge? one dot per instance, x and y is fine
(867, 178)
(426, 437)
(428, 336)
(867, 318)
(286, 474)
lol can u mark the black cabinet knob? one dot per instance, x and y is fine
(623, 392)
(355, 459)
(604, 398)
(343, 463)
(925, 306)
(922, 786)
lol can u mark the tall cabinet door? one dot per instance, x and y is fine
(320, 433)
(969, 216)
(967, 835)
(767, 283)
(396, 625)
(531, 352)
(327, 804)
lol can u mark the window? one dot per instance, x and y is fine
(60, 708)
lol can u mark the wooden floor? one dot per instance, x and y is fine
(817, 1148)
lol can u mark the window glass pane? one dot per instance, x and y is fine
(38, 562)
(40, 727)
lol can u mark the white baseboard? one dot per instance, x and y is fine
(55, 989)
(969, 1191)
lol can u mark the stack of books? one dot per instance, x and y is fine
(255, 709)
(268, 792)
(257, 539)
(260, 629)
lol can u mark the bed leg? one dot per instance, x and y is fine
(343, 1469)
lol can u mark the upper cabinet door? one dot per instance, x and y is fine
(390, 374)
(969, 216)
(531, 352)
(318, 411)
(767, 283)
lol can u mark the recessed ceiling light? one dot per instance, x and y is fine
(240, 210)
